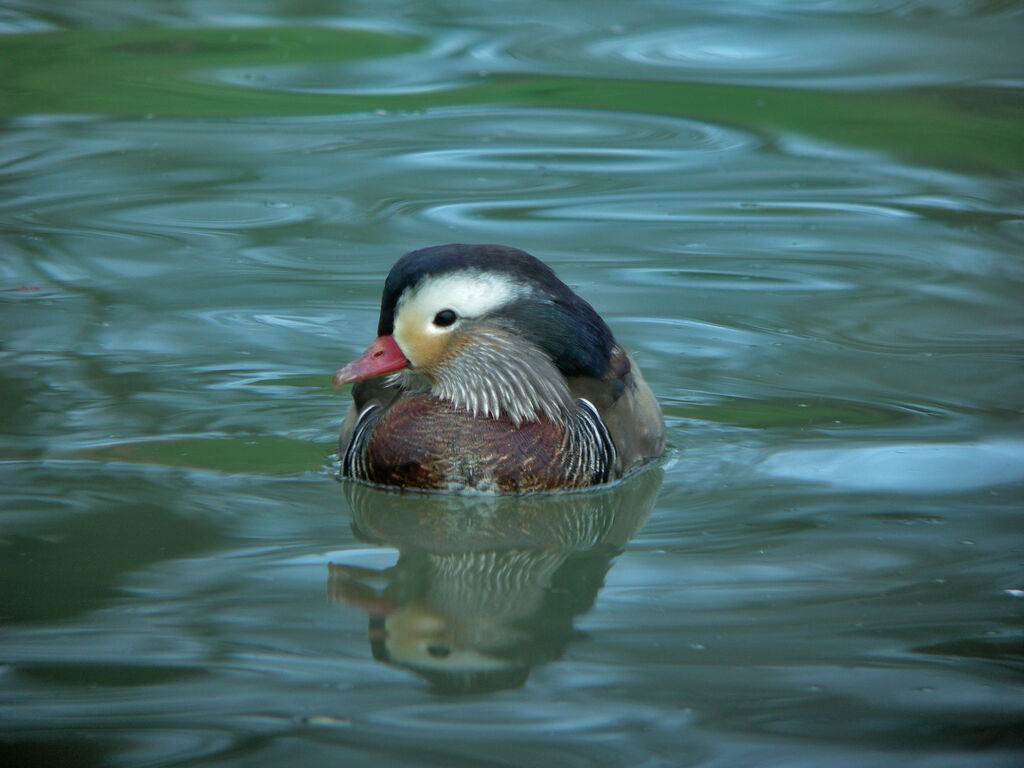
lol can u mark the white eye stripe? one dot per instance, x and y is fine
(468, 294)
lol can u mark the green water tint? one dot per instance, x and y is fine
(764, 415)
(262, 455)
(165, 73)
(804, 222)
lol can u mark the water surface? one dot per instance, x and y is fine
(804, 220)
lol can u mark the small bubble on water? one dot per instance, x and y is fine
(325, 721)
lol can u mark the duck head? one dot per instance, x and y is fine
(489, 328)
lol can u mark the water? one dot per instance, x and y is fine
(805, 221)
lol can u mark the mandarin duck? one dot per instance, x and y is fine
(489, 374)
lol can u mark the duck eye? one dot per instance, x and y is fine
(445, 317)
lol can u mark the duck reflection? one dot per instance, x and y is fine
(485, 588)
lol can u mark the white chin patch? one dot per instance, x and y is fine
(468, 293)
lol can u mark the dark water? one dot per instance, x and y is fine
(804, 219)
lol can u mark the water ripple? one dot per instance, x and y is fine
(909, 468)
(224, 215)
(832, 330)
(815, 53)
(490, 719)
(584, 160)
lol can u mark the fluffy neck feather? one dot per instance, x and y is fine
(494, 375)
